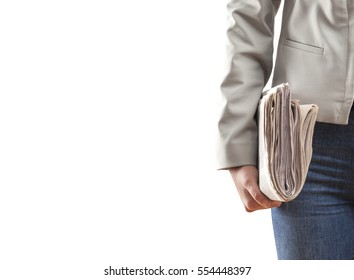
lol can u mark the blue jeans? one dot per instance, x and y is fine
(319, 223)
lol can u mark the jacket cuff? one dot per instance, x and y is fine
(237, 154)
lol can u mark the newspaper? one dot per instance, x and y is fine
(285, 132)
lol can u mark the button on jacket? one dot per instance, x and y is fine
(315, 56)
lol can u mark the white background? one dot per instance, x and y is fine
(108, 122)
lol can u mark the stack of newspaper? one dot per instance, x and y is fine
(285, 143)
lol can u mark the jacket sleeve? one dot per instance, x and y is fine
(249, 62)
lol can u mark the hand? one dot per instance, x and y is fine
(246, 181)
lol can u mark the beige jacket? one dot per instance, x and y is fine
(315, 56)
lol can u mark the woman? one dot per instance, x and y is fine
(316, 57)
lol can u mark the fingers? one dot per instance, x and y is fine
(245, 179)
(260, 198)
(253, 199)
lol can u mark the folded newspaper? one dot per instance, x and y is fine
(285, 143)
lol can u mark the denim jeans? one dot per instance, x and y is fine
(319, 223)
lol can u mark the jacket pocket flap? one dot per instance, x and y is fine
(303, 47)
